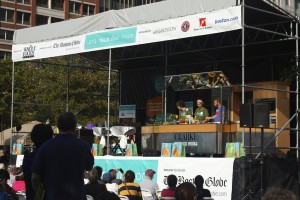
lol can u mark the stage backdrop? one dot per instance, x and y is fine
(217, 172)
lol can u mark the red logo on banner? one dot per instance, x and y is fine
(185, 26)
(202, 22)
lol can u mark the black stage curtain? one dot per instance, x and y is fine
(279, 172)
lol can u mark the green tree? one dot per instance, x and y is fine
(40, 90)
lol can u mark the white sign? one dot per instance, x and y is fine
(127, 111)
(217, 173)
(189, 26)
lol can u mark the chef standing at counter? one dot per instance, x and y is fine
(200, 113)
(183, 111)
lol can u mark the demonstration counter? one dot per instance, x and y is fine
(198, 138)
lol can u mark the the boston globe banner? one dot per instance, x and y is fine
(189, 26)
(217, 172)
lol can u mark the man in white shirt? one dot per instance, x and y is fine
(148, 184)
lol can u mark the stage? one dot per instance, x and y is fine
(226, 178)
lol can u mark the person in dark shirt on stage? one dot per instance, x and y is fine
(39, 134)
(201, 192)
(200, 113)
(170, 191)
(220, 112)
(183, 111)
(60, 162)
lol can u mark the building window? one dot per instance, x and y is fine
(24, 1)
(6, 34)
(6, 15)
(104, 5)
(23, 18)
(74, 7)
(42, 3)
(88, 9)
(41, 20)
(5, 54)
(57, 5)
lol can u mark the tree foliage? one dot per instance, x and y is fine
(42, 92)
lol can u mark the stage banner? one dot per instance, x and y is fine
(217, 173)
(182, 27)
(137, 165)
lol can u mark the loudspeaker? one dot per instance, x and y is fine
(246, 115)
(261, 116)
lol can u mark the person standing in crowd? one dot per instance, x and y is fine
(170, 191)
(186, 191)
(99, 171)
(148, 184)
(201, 192)
(11, 193)
(60, 162)
(183, 111)
(220, 112)
(5, 157)
(201, 112)
(94, 186)
(129, 188)
(39, 134)
(275, 193)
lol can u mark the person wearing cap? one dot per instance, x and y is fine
(200, 113)
(112, 187)
(148, 184)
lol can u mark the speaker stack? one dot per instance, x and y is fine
(254, 115)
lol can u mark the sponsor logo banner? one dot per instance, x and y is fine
(189, 26)
(48, 49)
(110, 38)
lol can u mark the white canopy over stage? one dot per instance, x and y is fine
(163, 21)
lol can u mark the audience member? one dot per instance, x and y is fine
(94, 187)
(106, 195)
(39, 134)
(60, 162)
(186, 191)
(148, 184)
(112, 187)
(201, 192)
(129, 188)
(275, 193)
(113, 173)
(5, 156)
(170, 191)
(4, 176)
(99, 174)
